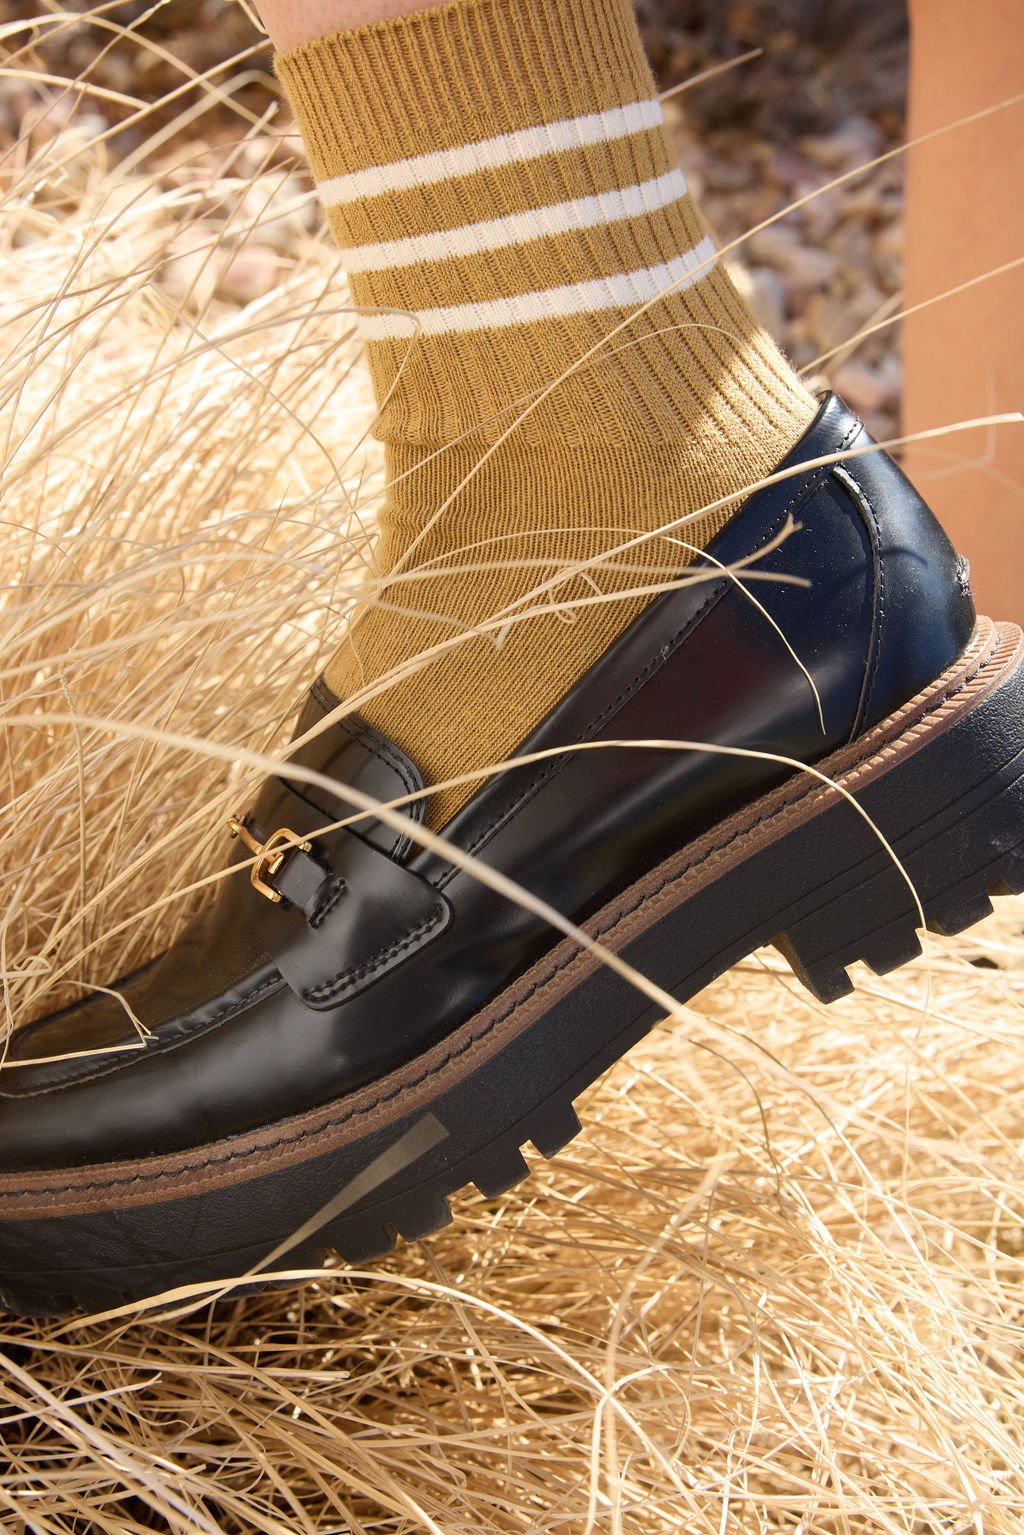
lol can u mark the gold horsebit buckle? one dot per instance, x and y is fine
(269, 854)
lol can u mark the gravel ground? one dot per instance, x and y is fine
(826, 270)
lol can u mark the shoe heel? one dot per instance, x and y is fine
(952, 807)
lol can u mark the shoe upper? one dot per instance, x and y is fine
(379, 947)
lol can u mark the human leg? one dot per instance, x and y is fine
(503, 170)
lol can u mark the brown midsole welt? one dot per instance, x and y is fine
(992, 652)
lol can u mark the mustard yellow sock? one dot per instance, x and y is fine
(500, 179)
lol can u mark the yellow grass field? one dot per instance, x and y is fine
(776, 1283)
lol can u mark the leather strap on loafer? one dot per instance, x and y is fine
(338, 909)
(348, 913)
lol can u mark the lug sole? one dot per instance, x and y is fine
(942, 779)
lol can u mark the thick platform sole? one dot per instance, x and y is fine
(943, 779)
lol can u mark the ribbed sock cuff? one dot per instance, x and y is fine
(472, 69)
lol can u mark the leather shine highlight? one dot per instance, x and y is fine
(258, 1013)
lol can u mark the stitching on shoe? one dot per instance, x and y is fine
(718, 590)
(788, 804)
(862, 501)
(326, 903)
(220, 1015)
(880, 632)
(356, 973)
(380, 747)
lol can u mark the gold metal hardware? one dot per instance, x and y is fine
(269, 854)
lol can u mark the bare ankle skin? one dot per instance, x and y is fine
(291, 22)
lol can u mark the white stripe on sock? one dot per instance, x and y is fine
(523, 144)
(492, 234)
(623, 290)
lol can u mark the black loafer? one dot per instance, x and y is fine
(356, 1027)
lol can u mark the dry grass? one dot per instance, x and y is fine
(785, 1297)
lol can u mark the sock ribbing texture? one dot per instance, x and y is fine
(501, 182)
